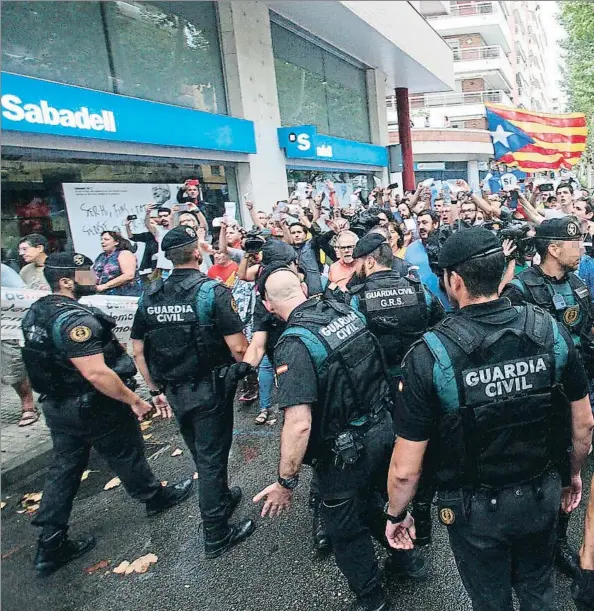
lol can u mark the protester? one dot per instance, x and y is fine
(115, 267)
(342, 270)
(33, 249)
(159, 226)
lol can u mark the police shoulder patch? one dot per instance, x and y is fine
(234, 305)
(571, 315)
(80, 334)
(447, 516)
(282, 369)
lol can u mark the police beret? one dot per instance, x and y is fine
(178, 237)
(367, 244)
(564, 228)
(68, 261)
(277, 251)
(467, 244)
(267, 271)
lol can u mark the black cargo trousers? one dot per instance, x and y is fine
(353, 500)
(506, 540)
(76, 425)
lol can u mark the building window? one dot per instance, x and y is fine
(316, 87)
(161, 51)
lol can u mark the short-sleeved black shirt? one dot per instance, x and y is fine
(295, 374)
(227, 319)
(81, 335)
(418, 416)
(268, 323)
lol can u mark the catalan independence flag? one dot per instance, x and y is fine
(536, 141)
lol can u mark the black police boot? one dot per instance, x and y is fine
(321, 539)
(409, 563)
(582, 590)
(566, 559)
(57, 549)
(422, 517)
(220, 538)
(376, 601)
(235, 495)
(169, 496)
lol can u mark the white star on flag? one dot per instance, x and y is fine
(501, 136)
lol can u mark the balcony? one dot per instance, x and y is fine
(474, 61)
(438, 100)
(484, 18)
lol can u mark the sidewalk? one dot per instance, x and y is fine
(23, 450)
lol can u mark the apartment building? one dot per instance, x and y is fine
(499, 52)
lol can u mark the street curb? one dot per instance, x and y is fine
(23, 466)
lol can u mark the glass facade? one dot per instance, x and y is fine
(161, 51)
(34, 199)
(316, 87)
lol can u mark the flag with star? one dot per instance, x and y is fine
(536, 141)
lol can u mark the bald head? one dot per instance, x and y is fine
(283, 293)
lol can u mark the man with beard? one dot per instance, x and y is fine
(73, 358)
(417, 254)
(555, 287)
(468, 212)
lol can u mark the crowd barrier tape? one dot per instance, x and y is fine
(16, 302)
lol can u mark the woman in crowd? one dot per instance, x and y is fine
(397, 240)
(115, 267)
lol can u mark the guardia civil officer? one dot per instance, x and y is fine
(398, 310)
(267, 329)
(555, 287)
(489, 393)
(186, 334)
(86, 379)
(334, 391)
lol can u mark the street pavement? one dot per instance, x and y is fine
(274, 569)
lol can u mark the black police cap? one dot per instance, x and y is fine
(68, 261)
(367, 244)
(275, 251)
(178, 237)
(565, 228)
(468, 244)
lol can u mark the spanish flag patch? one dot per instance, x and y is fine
(282, 369)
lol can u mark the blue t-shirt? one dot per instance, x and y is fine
(416, 255)
(586, 273)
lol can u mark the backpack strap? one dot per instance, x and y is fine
(205, 301)
(154, 287)
(560, 350)
(444, 377)
(458, 330)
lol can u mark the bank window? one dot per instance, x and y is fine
(168, 52)
(56, 41)
(316, 87)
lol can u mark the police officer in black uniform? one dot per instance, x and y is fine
(333, 388)
(267, 330)
(86, 379)
(555, 287)
(186, 335)
(496, 394)
(398, 310)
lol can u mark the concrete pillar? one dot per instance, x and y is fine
(403, 109)
(246, 46)
(378, 113)
(473, 174)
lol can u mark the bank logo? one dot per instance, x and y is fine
(14, 109)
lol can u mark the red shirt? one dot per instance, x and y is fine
(224, 273)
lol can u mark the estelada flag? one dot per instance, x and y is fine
(536, 141)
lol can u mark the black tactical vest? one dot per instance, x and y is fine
(352, 381)
(182, 344)
(503, 419)
(49, 369)
(397, 312)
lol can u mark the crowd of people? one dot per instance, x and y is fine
(456, 321)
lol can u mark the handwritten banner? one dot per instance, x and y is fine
(16, 302)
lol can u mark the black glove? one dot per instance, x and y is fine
(582, 590)
(234, 373)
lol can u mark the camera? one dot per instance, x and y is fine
(131, 217)
(253, 241)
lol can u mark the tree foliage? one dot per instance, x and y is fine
(577, 17)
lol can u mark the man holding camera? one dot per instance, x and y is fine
(554, 286)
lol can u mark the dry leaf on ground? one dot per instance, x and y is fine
(112, 483)
(102, 564)
(164, 483)
(147, 437)
(141, 565)
(86, 474)
(2, 505)
(195, 476)
(121, 568)
(177, 452)
(144, 425)
(30, 498)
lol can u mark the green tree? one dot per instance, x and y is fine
(577, 17)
